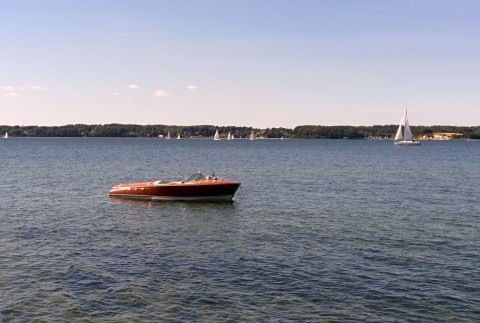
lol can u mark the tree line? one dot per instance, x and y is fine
(207, 131)
(377, 131)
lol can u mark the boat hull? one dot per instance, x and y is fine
(216, 198)
(407, 143)
(177, 191)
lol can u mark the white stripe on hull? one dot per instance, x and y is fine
(407, 143)
(174, 198)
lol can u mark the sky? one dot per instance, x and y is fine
(258, 63)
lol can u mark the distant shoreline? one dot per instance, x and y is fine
(225, 139)
(205, 139)
(376, 132)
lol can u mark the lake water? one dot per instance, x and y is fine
(320, 230)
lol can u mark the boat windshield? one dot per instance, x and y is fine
(194, 178)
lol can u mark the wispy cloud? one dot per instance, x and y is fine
(115, 93)
(8, 88)
(160, 93)
(192, 87)
(13, 90)
(31, 87)
(9, 94)
(133, 87)
(24, 87)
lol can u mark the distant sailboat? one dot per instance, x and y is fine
(252, 136)
(404, 136)
(6, 135)
(178, 137)
(229, 137)
(168, 135)
(217, 135)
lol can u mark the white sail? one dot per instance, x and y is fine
(252, 136)
(168, 135)
(399, 135)
(217, 135)
(404, 134)
(229, 137)
(407, 133)
(6, 135)
(178, 137)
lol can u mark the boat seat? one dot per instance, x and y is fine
(161, 182)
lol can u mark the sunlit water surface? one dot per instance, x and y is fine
(332, 230)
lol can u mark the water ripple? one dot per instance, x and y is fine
(320, 231)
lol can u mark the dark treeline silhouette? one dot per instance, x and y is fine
(123, 130)
(386, 131)
(207, 131)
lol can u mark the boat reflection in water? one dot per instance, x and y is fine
(196, 187)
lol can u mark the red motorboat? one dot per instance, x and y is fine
(196, 187)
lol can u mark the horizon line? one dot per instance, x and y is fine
(217, 126)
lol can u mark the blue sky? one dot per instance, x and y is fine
(260, 63)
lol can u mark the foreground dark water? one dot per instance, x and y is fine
(319, 231)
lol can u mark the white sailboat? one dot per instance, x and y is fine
(178, 137)
(6, 135)
(217, 135)
(168, 135)
(229, 137)
(404, 136)
(252, 136)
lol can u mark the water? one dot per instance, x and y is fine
(319, 231)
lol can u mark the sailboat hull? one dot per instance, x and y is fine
(407, 143)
